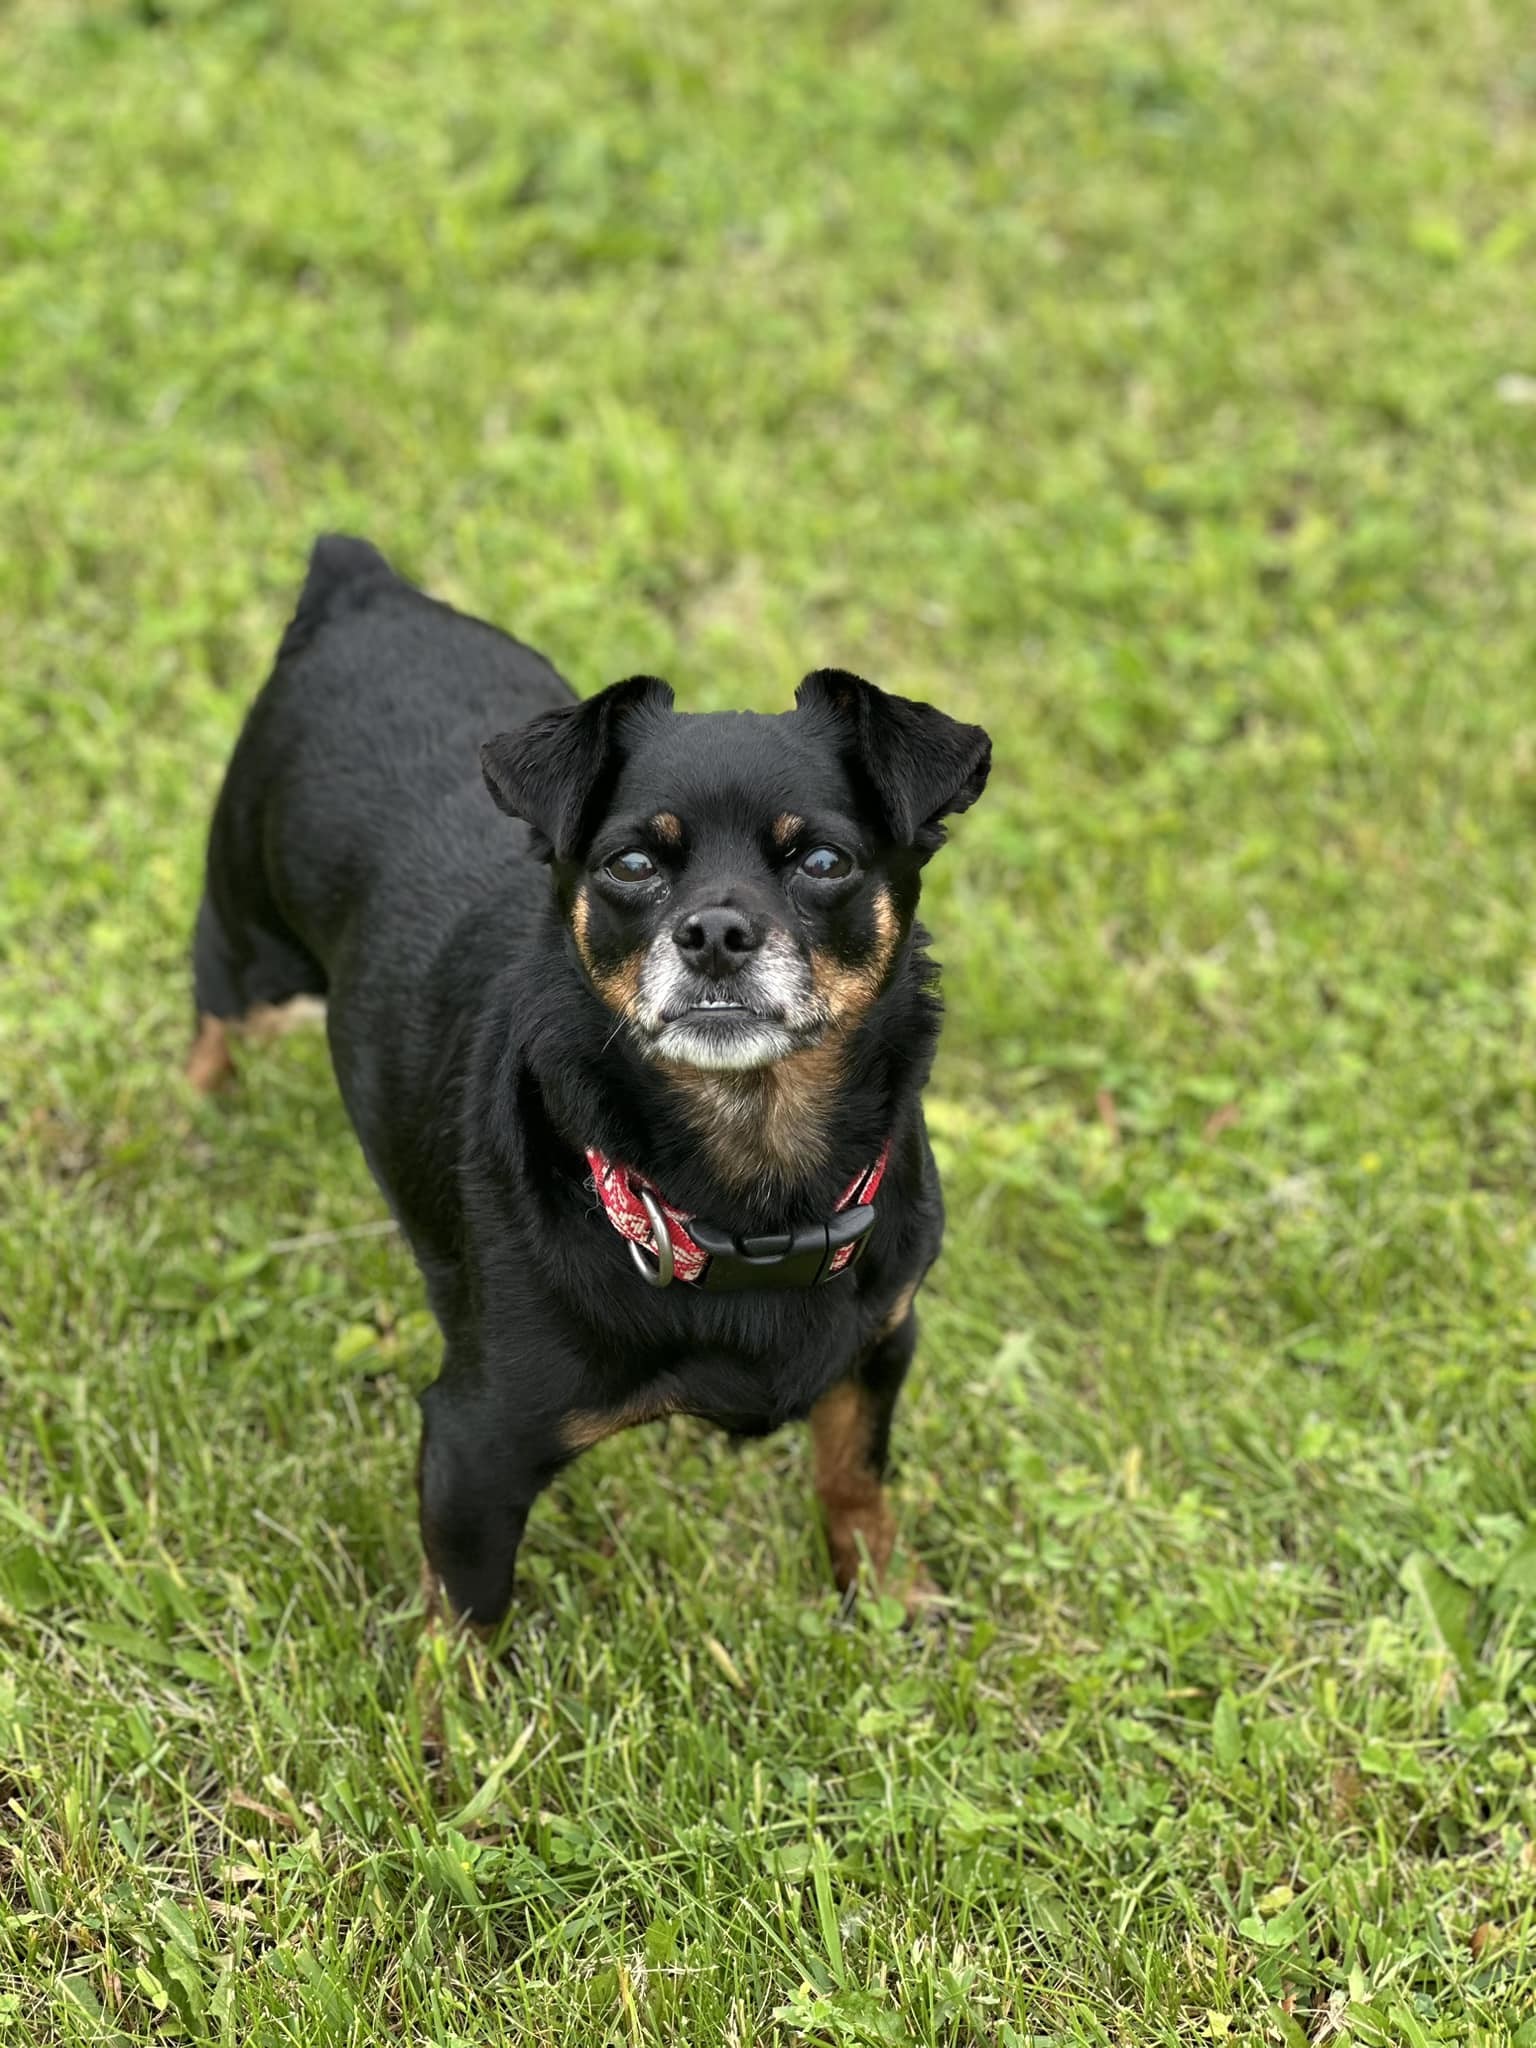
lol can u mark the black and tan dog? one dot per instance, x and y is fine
(640, 1075)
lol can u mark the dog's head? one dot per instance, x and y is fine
(738, 886)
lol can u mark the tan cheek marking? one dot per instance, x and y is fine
(618, 986)
(849, 991)
(580, 912)
(668, 827)
(587, 1426)
(786, 829)
(849, 1489)
(887, 928)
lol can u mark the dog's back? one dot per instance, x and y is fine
(355, 793)
(360, 758)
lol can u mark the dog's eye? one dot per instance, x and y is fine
(632, 865)
(825, 863)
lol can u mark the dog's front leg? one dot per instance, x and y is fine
(477, 1477)
(850, 1447)
(480, 1471)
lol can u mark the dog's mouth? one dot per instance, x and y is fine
(709, 1028)
(718, 1008)
(731, 1024)
(726, 1037)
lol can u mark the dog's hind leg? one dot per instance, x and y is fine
(210, 1064)
(265, 985)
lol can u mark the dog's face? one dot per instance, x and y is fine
(738, 887)
(735, 903)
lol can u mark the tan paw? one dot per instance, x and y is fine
(919, 1592)
(209, 1064)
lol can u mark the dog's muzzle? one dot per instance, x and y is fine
(764, 1009)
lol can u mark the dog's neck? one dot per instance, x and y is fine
(771, 1125)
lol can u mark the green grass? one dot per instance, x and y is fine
(1143, 379)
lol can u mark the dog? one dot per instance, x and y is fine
(631, 1012)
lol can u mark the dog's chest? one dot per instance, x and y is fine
(747, 1391)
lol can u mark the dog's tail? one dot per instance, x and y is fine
(340, 566)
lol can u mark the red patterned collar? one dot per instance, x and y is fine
(669, 1244)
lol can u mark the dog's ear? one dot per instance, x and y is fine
(921, 763)
(555, 770)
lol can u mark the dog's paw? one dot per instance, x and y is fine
(923, 1601)
(921, 1595)
(209, 1065)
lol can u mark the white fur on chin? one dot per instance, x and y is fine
(732, 1050)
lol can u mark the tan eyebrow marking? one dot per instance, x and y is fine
(668, 826)
(786, 828)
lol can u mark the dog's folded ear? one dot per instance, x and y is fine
(556, 770)
(921, 763)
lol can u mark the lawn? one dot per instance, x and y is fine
(1153, 381)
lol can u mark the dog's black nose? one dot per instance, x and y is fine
(718, 941)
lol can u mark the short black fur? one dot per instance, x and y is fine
(477, 972)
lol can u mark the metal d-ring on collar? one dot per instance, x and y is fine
(659, 1275)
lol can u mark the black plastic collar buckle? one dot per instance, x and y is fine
(786, 1258)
